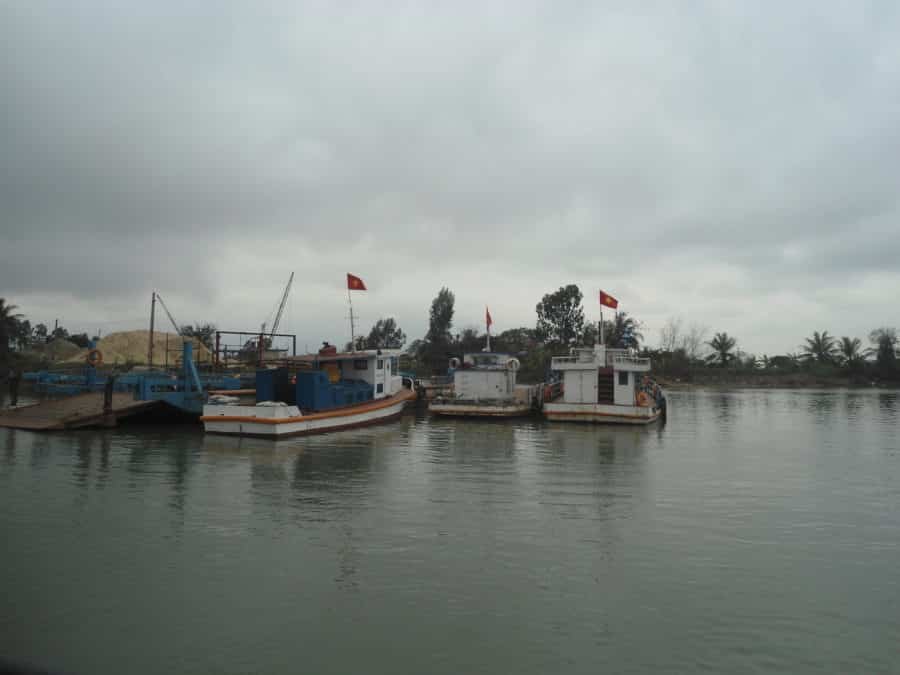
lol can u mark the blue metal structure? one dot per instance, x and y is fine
(185, 390)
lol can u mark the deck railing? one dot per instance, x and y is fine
(614, 357)
(625, 360)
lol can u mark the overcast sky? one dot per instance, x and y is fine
(732, 163)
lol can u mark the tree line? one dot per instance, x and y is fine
(684, 350)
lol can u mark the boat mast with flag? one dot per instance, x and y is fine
(484, 385)
(318, 393)
(608, 384)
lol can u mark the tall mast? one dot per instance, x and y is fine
(352, 330)
(152, 315)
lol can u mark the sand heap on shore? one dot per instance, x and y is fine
(130, 347)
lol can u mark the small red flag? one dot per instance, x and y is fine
(354, 283)
(487, 317)
(608, 300)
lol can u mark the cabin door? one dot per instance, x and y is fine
(380, 380)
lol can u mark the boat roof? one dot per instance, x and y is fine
(347, 356)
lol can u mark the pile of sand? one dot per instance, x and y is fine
(130, 347)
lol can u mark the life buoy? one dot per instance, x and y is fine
(95, 358)
(513, 364)
(643, 399)
(454, 363)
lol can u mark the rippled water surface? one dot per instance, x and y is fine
(754, 532)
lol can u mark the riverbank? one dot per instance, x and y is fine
(800, 380)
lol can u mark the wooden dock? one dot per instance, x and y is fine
(73, 412)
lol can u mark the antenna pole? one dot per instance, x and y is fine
(152, 315)
(352, 330)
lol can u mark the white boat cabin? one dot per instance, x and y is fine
(601, 375)
(377, 368)
(484, 376)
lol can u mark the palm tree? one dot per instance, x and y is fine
(821, 347)
(9, 326)
(623, 331)
(884, 341)
(851, 351)
(722, 345)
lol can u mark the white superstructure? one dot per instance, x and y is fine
(605, 385)
(484, 385)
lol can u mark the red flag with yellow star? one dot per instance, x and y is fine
(608, 301)
(354, 283)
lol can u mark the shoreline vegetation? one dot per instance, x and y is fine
(687, 355)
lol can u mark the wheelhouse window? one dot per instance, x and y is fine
(379, 388)
(394, 366)
(623, 378)
(360, 364)
(380, 364)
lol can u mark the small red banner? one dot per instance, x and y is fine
(608, 301)
(354, 283)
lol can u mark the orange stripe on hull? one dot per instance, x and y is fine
(370, 406)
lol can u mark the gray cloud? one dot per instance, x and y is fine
(722, 162)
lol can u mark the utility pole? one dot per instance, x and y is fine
(152, 315)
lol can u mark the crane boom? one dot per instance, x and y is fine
(168, 314)
(287, 290)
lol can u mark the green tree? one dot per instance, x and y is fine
(851, 354)
(723, 346)
(469, 341)
(435, 350)
(560, 317)
(884, 341)
(40, 332)
(514, 340)
(821, 347)
(23, 334)
(9, 323)
(622, 331)
(385, 334)
(80, 339)
(440, 318)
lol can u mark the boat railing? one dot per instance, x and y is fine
(627, 360)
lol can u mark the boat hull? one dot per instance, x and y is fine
(598, 413)
(480, 410)
(350, 417)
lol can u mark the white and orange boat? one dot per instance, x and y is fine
(605, 385)
(328, 391)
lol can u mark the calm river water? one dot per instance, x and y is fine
(757, 531)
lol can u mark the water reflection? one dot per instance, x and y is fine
(9, 447)
(595, 444)
(467, 442)
(887, 402)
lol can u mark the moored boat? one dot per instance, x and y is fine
(324, 392)
(605, 385)
(484, 385)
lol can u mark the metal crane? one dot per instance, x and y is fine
(284, 297)
(168, 314)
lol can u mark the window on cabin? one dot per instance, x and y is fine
(379, 388)
(380, 365)
(360, 364)
(394, 366)
(623, 378)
